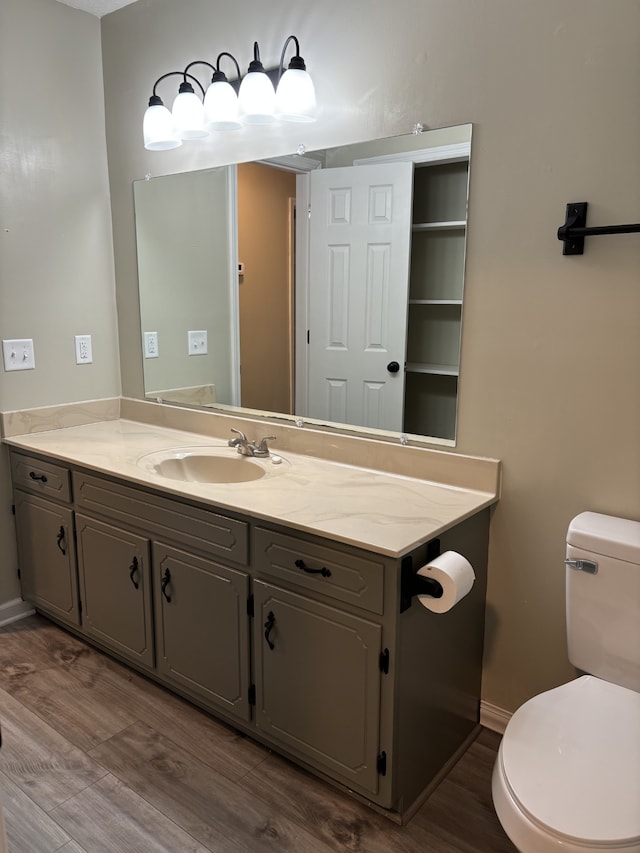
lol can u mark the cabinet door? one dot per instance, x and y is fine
(115, 588)
(202, 628)
(317, 672)
(47, 556)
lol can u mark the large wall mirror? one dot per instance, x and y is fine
(326, 286)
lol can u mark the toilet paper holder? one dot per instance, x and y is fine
(412, 584)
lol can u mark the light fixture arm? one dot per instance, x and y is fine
(198, 62)
(220, 75)
(296, 61)
(156, 98)
(256, 64)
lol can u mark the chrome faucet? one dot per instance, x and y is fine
(250, 448)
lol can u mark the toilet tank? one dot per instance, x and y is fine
(603, 597)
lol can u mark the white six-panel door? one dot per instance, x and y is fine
(358, 289)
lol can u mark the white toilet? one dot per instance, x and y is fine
(567, 775)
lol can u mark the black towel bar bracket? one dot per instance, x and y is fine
(574, 230)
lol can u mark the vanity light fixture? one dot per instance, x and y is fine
(260, 97)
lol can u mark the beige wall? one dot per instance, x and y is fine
(56, 253)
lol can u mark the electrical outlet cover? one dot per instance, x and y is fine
(151, 345)
(84, 353)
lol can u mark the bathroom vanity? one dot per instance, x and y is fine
(282, 605)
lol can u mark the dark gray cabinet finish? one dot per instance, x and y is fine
(202, 628)
(115, 588)
(46, 551)
(318, 683)
(308, 645)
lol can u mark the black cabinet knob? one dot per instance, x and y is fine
(393, 367)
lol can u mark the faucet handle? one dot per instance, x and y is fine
(234, 442)
(261, 446)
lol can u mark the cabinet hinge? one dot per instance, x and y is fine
(13, 509)
(384, 661)
(79, 606)
(381, 763)
(252, 694)
(18, 573)
(250, 610)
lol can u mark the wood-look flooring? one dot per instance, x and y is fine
(96, 758)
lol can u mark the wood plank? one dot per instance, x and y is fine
(39, 760)
(121, 822)
(208, 806)
(29, 828)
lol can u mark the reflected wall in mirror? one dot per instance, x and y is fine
(330, 284)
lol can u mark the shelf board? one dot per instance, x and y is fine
(435, 369)
(453, 225)
(435, 302)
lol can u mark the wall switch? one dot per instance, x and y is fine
(84, 354)
(151, 345)
(18, 354)
(197, 343)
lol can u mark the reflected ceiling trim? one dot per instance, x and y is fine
(97, 7)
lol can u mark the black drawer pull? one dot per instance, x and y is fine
(133, 568)
(300, 564)
(268, 626)
(60, 539)
(166, 579)
(40, 477)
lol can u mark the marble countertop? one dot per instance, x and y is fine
(382, 512)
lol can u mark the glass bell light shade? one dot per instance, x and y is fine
(257, 98)
(188, 113)
(221, 109)
(158, 128)
(295, 96)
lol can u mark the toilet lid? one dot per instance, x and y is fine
(571, 758)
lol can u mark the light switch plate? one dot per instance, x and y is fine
(18, 354)
(197, 343)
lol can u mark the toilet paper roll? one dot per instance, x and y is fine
(456, 576)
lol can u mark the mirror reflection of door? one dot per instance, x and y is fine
(358, 287)
(266, 227)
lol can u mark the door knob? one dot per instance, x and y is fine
(393, 367)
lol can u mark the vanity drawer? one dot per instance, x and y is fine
(205, 530)
(334, 572)
(43, 478)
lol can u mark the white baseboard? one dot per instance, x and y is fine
(494, 718)
(13, 610)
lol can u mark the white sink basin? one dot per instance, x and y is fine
(210, 465)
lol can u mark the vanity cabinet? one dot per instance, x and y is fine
(202, 628)
(187, 619)
(45, 537)
(315, 648)
(115, 588)
(317, 653)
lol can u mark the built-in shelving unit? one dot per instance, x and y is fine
(435, 297)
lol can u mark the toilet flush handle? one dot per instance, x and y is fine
(587, 566)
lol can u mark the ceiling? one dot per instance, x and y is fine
(97, 7)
